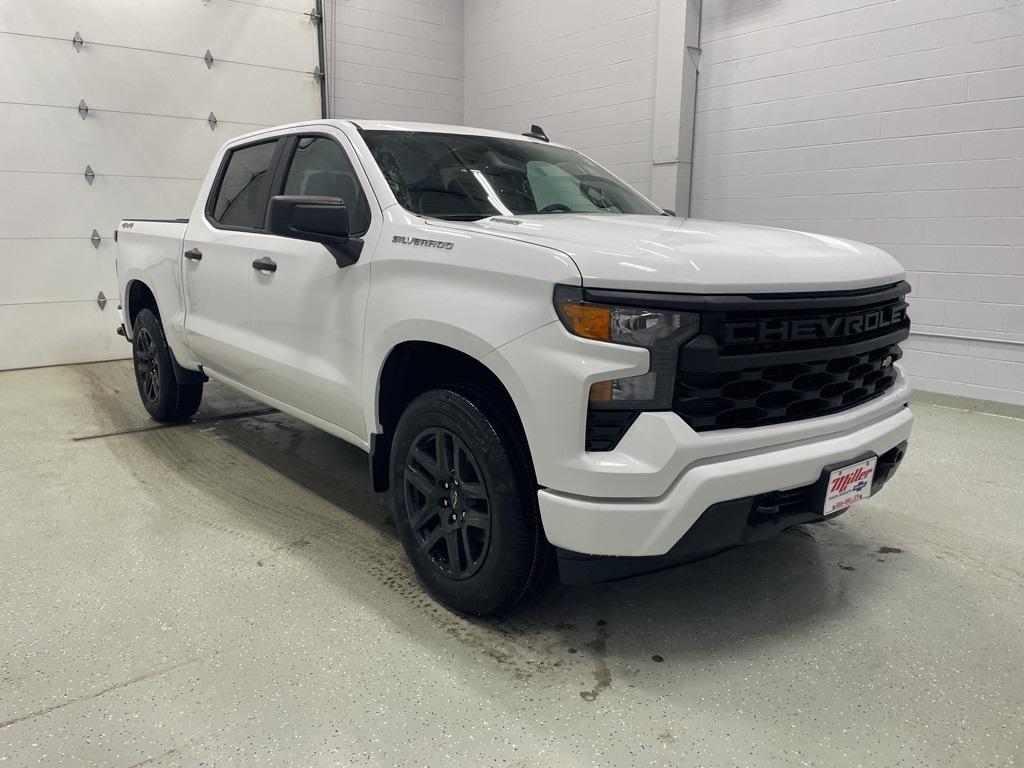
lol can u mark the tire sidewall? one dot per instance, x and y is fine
(511, 554)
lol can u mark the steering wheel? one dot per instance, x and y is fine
(555, 207)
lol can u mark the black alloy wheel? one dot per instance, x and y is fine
(447, 502)
(165, 397)
(147, 366)
(465, 501)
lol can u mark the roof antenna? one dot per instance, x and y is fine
(536, 132)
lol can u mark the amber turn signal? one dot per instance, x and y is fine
(601, 392)
(588, 320)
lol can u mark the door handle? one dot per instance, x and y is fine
(264, 265)
(194, 254)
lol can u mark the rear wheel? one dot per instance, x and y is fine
(163, 396)
(466, 503)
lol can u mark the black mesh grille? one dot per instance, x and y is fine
(785, 392)
(777, 371)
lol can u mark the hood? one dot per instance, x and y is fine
(656, 253)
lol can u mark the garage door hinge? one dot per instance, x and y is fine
(83, 109)
(95, 239)
(77, 41)
(208, 58)
(101, 300)
(314, 16)
(90, 174)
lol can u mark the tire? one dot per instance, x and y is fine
(465, 502)
(162, 395)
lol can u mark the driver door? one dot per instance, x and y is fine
(308, 314)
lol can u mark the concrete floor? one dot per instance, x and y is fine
(231, 592)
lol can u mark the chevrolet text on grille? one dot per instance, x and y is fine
(812, 327)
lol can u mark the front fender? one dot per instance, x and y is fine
(435, 332)
(482, 292)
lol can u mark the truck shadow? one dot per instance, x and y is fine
(749, 600)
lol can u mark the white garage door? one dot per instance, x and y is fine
(146, 90)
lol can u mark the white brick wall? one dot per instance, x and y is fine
(899, 123)
(396, 59)
(585, 72)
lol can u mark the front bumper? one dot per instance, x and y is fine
(644, 527)
(723, 526)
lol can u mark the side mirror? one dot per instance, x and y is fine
(319, 219)
(668, 212)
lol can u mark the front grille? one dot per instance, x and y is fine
(774, 359)
(777, 393)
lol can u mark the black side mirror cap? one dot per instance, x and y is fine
(318, 219)
(668, 211)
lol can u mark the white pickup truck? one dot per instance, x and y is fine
(550, 373)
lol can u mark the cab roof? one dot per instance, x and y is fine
(464, 130)
(399, 125)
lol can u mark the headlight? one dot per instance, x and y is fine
(661, 331)
(624, 325)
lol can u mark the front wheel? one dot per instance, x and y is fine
(465, 502)
(163, 396)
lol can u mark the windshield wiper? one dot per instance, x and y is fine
(458, 216)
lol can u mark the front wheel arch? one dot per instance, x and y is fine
(414, 367)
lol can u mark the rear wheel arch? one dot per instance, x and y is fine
(139, 296)
(414, 367)
(164, 393)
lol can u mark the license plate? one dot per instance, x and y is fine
(848, 485)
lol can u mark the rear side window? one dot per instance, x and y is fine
(241, 199)
(320, 168)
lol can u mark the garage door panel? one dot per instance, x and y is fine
(146, 137)
(31, 211)
(114, 79)
(49, 270)
(54, 334)
(290, 6)
(55, 140)
(231, 31)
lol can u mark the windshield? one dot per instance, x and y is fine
(451, 176)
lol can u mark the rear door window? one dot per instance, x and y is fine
(241, 197)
